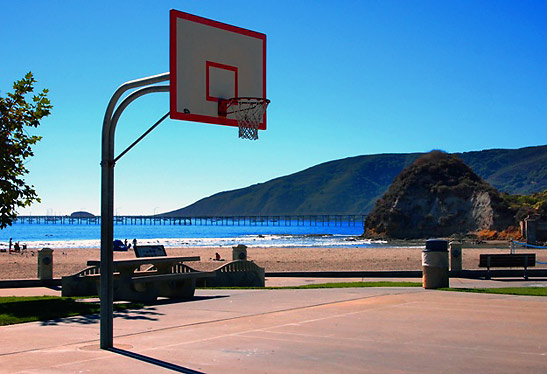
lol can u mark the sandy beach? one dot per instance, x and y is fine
(69, 261)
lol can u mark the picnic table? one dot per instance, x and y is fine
(169, 278)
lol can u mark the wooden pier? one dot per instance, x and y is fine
(349, 220)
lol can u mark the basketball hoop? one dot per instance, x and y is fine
(248, 111)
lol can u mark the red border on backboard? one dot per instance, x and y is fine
(216, 65)
(174, 114)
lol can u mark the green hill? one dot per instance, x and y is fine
(352, 185)
(515, 171)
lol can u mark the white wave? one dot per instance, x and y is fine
(263, 241)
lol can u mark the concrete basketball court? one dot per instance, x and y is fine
(359, 330)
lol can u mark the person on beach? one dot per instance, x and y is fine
(17, 247)
(10, 241)
(134, 243)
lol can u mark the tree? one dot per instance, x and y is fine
(18, 111)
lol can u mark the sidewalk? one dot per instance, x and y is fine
(295, 281)
(357, 330)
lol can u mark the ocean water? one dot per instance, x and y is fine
(37, 236)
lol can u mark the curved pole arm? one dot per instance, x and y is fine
(107, 196)
(119, 110)
(107, 134)
(129, 85)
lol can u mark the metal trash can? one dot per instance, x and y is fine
(435, 264)
(45, 263)
(455, 256)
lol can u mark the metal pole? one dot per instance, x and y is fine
(107, 200)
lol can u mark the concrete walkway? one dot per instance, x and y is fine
(359, 330)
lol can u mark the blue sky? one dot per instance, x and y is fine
(345, 78)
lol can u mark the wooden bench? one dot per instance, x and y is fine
(170, 278)
(507, 260)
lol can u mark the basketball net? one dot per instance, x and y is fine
(249, 112)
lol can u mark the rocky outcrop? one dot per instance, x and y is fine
(82, 214)
(437, 196)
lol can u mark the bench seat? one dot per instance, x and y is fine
(498, 260)
(138, 278)
(172, 285)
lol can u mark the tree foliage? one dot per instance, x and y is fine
(19, 110)
(532, 206)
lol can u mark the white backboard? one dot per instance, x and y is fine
(210, 61)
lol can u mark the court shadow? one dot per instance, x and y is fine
(144, 314)
(147, 313)
(153, 361)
